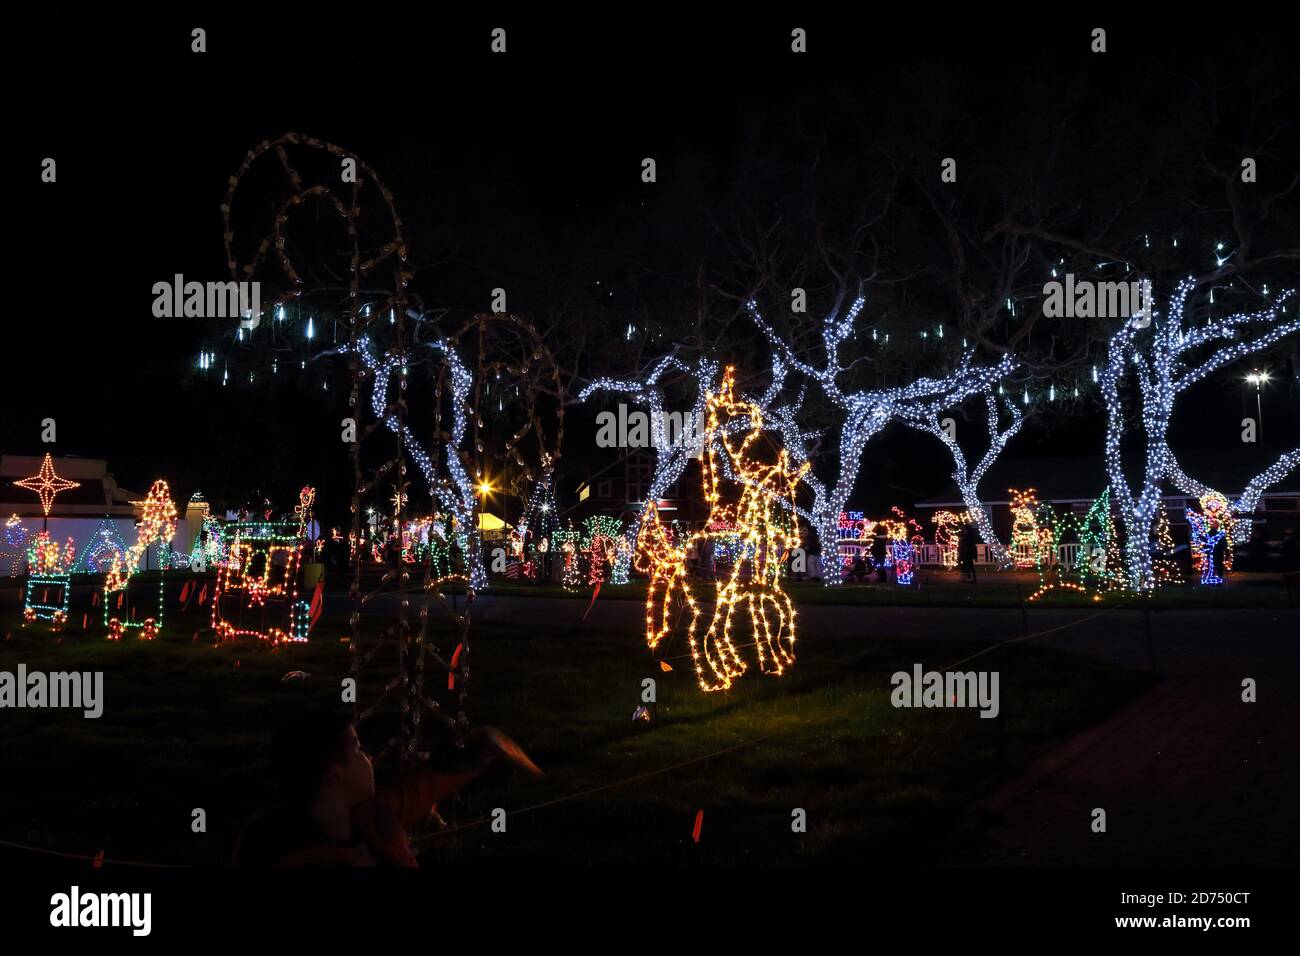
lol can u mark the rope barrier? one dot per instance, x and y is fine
(586, 793)
(90, 859)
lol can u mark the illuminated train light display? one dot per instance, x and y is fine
(261, 575)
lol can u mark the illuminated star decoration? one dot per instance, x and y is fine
(47, 484)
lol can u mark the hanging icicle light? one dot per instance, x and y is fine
(311, 328)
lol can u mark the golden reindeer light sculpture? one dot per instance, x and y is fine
(767, 533)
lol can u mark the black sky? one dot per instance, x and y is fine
(518, 170)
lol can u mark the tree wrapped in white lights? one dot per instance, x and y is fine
(1245, 505)
(1162, 365)
(966, 478)
(866, 413)
(456, 490)
(672, 452)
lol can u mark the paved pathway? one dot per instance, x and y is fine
(1187, 773)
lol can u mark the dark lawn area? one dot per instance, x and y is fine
(1007, 589)
(187, 724)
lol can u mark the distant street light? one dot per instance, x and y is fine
(1258, 378)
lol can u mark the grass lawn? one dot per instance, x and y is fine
(186, 724)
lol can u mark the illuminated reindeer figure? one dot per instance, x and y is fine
(765, 542)
(659, 556)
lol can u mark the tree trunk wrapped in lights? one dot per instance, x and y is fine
(672, 452)
(966, 478)
(865, 414)
(1159, 357)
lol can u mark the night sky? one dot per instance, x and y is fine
(522, 171)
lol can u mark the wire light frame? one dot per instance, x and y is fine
(377, 270)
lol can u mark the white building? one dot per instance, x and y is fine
(96, 506)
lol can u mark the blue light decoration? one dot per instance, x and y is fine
(16, 539)
(1208, 528)
(106, 545)
(457, 492)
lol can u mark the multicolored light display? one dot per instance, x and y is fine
(262, 566)
(157, 524)
(49, 568)
(1208, 528)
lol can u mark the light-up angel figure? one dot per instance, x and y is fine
(1208, 528)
